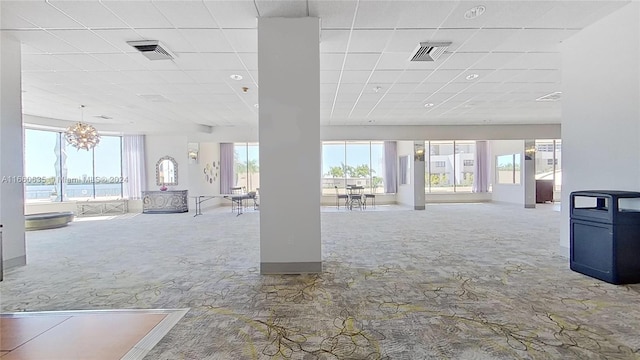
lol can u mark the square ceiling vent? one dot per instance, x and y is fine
(429, 51)
(152, 49)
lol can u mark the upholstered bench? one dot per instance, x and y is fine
(47, 220)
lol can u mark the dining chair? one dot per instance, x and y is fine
(356, 197)
(366, 200)
(340, 197)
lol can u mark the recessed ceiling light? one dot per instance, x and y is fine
(428, 105)
(376, 89)
(474, 12)
(236, 77)
(472, 76)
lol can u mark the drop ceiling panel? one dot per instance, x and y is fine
(500, 76)
(41, 14)
(329, 76)
(333, 40)
(360, 61)
(486, 40)
(243, 40)
(118, 38)
(120, 61)
(174, 77)
(333, 14)
(527, 40)
(85, 41)
(10, 20)
(355, 77)
(91, 14)
(462, 61)
(398, 88)
(186, 14)
(444, 75)
(233, 14)
(250, 60)
(189, 61)
(222, 61)
(43, 41)
(50, 63)
(369, 40)
(543, 61)
(414, 76)
(331, 61)
(385, 76)
(406, 40)
(138, 14)
(535, 76)
(281, 8)
(496, 60)
(206, 40)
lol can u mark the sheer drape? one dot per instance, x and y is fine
(390, 167)
(481, 167)
(133, 166)
(226, 168)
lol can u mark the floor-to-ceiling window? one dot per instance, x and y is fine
(352, 163)
(56, 171)
(549, 161)
(449, 166)
(246, 166)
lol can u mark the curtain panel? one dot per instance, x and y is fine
(133, 166)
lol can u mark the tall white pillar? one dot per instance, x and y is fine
(600, 110)
(418, 175)
(529, 177)
(11, 154)
(289, 135)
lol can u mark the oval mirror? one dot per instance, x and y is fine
(166, 171)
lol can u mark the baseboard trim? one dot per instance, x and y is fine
(15, 262)
(267, 268)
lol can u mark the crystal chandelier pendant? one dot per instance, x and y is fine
(81, 135)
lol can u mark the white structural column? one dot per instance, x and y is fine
(418, 175)
(11, 154)
(600, 108)
(289, 135)
(529, 177)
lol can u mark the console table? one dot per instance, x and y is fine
(176, 201)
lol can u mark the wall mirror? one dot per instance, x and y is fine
(167, 171)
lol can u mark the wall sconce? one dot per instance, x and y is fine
(418, 151)
(192, 152)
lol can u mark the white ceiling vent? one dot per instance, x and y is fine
(554, 96)
(429, 51)
(152, 49)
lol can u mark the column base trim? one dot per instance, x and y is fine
(16, 261)
(269, 268)
(529, 206)
(417, 207)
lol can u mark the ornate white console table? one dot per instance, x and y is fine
(176, 201)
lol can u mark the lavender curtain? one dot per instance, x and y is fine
(390, 167)
(226, 168)
(133, 166)
(481, 168)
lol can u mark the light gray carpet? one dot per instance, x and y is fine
(475, 281)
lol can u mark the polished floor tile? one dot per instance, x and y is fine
(86, 335)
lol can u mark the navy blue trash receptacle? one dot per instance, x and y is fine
(605, 235)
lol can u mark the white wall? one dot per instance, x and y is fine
(204, 178)
(11, 157)
(508, 193)
(157, 146)
(600, 108)
(404, 195)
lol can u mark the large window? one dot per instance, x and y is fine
(352, 163)
(56, 171)
(508, 169)
(549, 161)
(450, 166)
(246, 166)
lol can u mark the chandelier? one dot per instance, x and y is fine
(81, 135)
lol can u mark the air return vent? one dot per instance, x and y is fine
(152, 49)
(429, 51)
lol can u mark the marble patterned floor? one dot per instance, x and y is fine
(472, 281)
